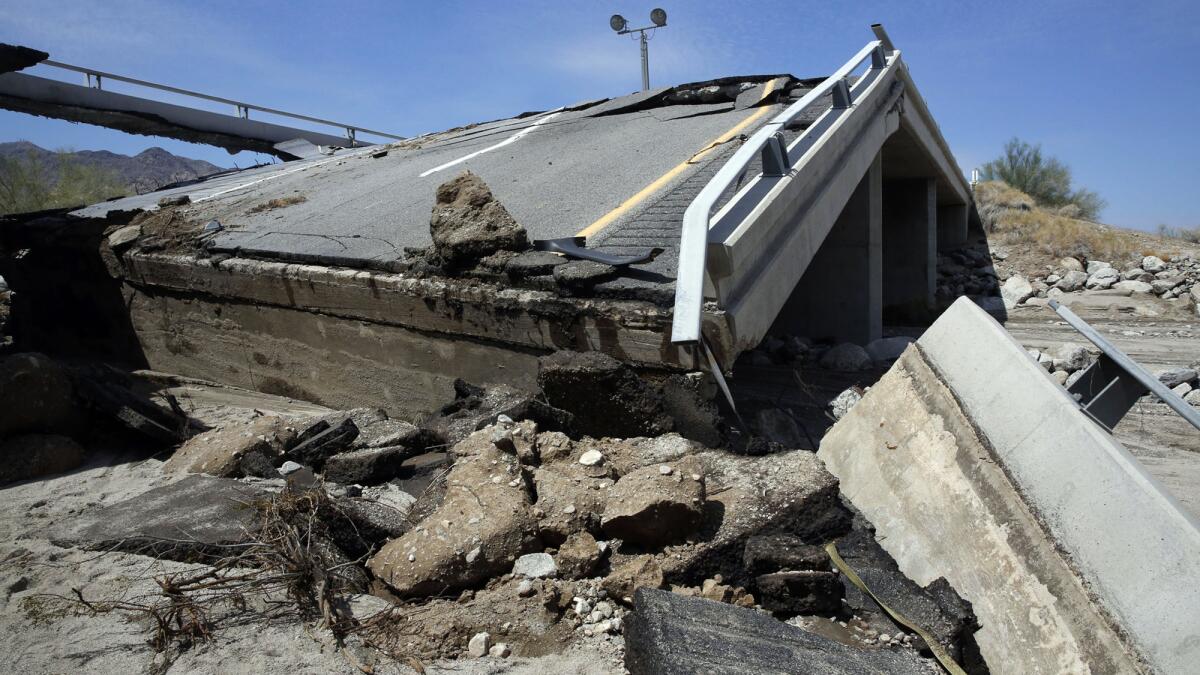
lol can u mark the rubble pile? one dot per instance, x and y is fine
(1178, 277)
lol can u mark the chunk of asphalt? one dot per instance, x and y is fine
(670, 634)
(323, 445)
(582, 275)
(192, 520)
(533, 263)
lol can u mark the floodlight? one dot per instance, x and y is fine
(618, 22)
(658, 16)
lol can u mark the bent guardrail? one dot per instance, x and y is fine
(769, 143)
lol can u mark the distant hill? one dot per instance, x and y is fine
(144, 172)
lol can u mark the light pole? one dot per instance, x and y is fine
(658, 17)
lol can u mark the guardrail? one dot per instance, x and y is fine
(768, 143)
(95, 80)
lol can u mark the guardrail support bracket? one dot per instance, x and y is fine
(775, 157)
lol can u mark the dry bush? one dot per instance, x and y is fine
(1015, 217)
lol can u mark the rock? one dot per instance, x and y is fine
(376, 522)
(778, 426)
(1182, 390)
(27, 456)
(1103, 277)
(648, 508)
(1071, 264)
(579, 556)
(844, 401)
(1195, 297)
(124, 236)
(591, 457)
(1015, 291)
(36, 395)
(1161, 286)
(580, 276)
(174, 200)
(1072, 356)
(669, 634)
(468, 223)
(479, 645)
(289, 467)
(1193, 397)
(1061, 377)
(525, 589)
(1133, 287)
(639, 572)
(189, 520)
(222, 451)
(500, 650)
(368, 466)
(1153, 264)
(1094, 266)
(1176, 376)
(604, 395)
(1136, 274)
(533, 263)
(847, 357)
(482, 525)
(535, 566)
(312, 449)
(886, 350)
(1072, 281)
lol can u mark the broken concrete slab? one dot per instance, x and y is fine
(191, 520)
(367, 466)
(313, 449)
(26, 456)
(973, 457)
(483, 524)
(656, 505)
(671, 634)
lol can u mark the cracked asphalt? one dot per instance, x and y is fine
(556, 178)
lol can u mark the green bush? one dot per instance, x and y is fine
(29, 184)
(1046, 179)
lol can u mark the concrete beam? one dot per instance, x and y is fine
(909, 245)
(974, 465)
(850, 261)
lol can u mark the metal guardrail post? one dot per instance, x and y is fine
(841, 95)
(1110, 387)
(775, 157)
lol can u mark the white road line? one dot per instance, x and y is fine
(273, 176)
(511, 139)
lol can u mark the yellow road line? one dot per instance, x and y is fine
(608, 218)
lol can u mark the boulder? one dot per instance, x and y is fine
(579, 556)
(1161, 286)
(36, 395)
(1176, 376)
(656, 505)
(1094, 266)
(482, 526)
(468, 223)
(1071, 264)
(27, 456)
(847, 357)
(224, 451)
(535, 566)
(1102, 278)
(1072, 357)
(843, 402)
(669, 634)
(1133, 287)
(886, 350)
(1015, 291)
(1072, 281)
(776, 425)
(387, 433)
(639, 572)
(1153, 264)
(604, 395)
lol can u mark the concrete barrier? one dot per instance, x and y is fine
(974, 465)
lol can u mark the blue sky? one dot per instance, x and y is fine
(1104, 86)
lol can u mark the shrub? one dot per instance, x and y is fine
(1190, 235)
(1013, 216)
(29, 184)
(1046, 179)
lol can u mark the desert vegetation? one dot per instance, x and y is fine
(1044, 178)
(28, 183)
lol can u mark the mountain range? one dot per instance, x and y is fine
(146, 171)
